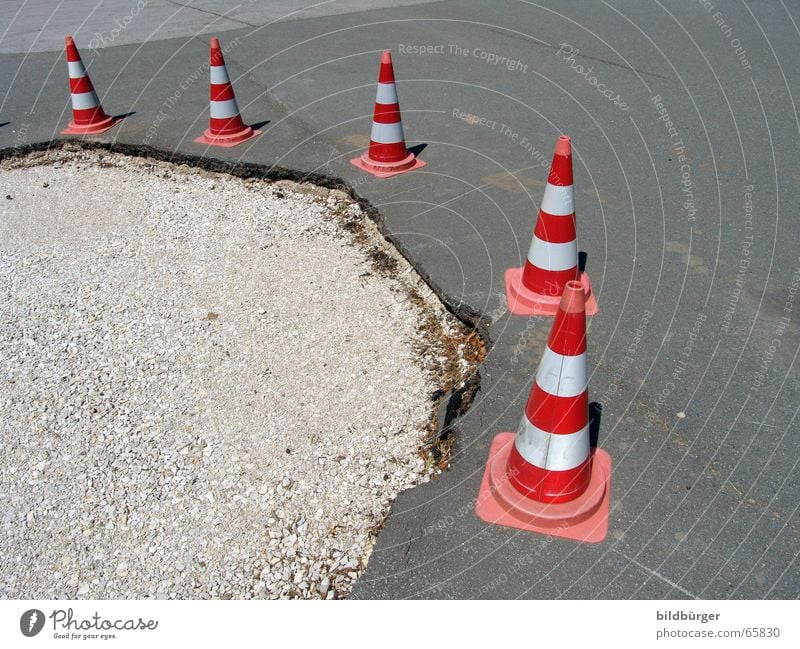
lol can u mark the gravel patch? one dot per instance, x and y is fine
(210, 387)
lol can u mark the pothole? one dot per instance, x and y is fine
(211, 387)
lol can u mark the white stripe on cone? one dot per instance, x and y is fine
(562, 376)
(387, 94)
(224, 109)
(553, 256)
(76, 69)
(558, 201)
(84, 100)
(387, 133)
(550, 451)
(219, 74)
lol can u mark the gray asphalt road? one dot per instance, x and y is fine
(686, 179)
(40, 25)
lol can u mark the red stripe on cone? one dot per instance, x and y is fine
(547, 282)
(556, 414)
(547, 486)
(89, 116)
(387, 154)
(86, 119)
(388, 114)
(72, 50)
(224, 127)
(556, 229)
(561, 167)
(546, 478)
(216, 57)
(221, 92)
(82, 84)
(386, 72)
(226, 130)
(568, 335)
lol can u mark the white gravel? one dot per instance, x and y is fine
(206, 390)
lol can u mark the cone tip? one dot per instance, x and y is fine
(214, 42)
(573, 300)
(564, 145)
(386, 57)
(68, 39)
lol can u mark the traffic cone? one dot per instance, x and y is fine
(547, 478)
(88, 116)
(387, 155)
(226, 127)
(536, 287)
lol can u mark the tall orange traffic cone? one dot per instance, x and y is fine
(547, 478)
(387, 155)
(226, 127)
(88, 116)
(535, 288)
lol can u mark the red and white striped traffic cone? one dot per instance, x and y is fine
(536, 287)
(547, 478)
(387, 155)
(88, 116)
(226, 127)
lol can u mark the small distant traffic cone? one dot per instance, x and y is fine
(88, 116)
(535, 288)
(226, 127)
(547, 478)
(387, 155)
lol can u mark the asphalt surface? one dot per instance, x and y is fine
(686, 178)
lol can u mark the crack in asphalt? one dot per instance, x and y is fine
(629, 68)
(213, 13)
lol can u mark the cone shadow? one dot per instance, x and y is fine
(595, 415)
(2, 124)
(257, 125)
(582, 259)
(417, 149)
(124, 115)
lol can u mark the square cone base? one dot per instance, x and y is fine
(227, 141)
(583, 519)
(522, 301)
(387, 170)
(91, 129)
